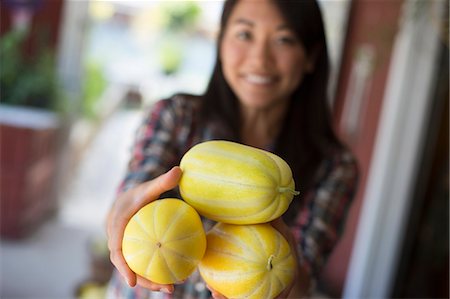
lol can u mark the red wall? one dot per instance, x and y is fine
(372, 24)
(27, 159)
(46, 15)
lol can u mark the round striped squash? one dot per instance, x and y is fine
(247, 261)
(164, 241)
(234, 183)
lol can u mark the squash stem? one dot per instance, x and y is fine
(285, 189)
(269, 262)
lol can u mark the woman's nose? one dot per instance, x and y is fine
(261, 55)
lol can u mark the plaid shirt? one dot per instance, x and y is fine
(170, 129)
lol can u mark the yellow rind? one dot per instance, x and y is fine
(234, 183)
(236, 261)
(164, 241)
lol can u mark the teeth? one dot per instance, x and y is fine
(257, 79)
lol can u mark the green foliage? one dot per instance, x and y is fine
(170, 56)
(28, 81)
(181, 15)
(93, 86)
(178, 18)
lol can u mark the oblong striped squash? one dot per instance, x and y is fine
(234, 183)
(247, 261)
(164, 241)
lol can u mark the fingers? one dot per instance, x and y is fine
(161, 184)
(215, 294)
(284, 229)
(124, 207)
(116, 227)
(165, 288)
(128, 203)
(142, 195)
(285, 293)
(281, 226)
(121, 265)
(132, 279)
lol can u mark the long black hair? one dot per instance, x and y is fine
(307, 136)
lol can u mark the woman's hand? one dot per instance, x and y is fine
(215, 294)
(282, 227)
(124, 207)
(300, 284)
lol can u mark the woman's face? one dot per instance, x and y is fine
(262, 59)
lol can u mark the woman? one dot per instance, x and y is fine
(268, 90)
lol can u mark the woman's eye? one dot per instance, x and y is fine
(244, 35)
(286, 40)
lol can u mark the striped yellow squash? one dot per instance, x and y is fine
(247, 261)
(234, 183)
(164, 241)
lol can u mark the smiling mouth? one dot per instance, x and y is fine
(259, 80)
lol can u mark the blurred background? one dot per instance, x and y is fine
(76, 75)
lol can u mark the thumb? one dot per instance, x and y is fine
(154, 188)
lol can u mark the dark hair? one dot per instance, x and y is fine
(307, 136)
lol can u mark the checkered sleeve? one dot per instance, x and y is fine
(321, 219)
(155, 149)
